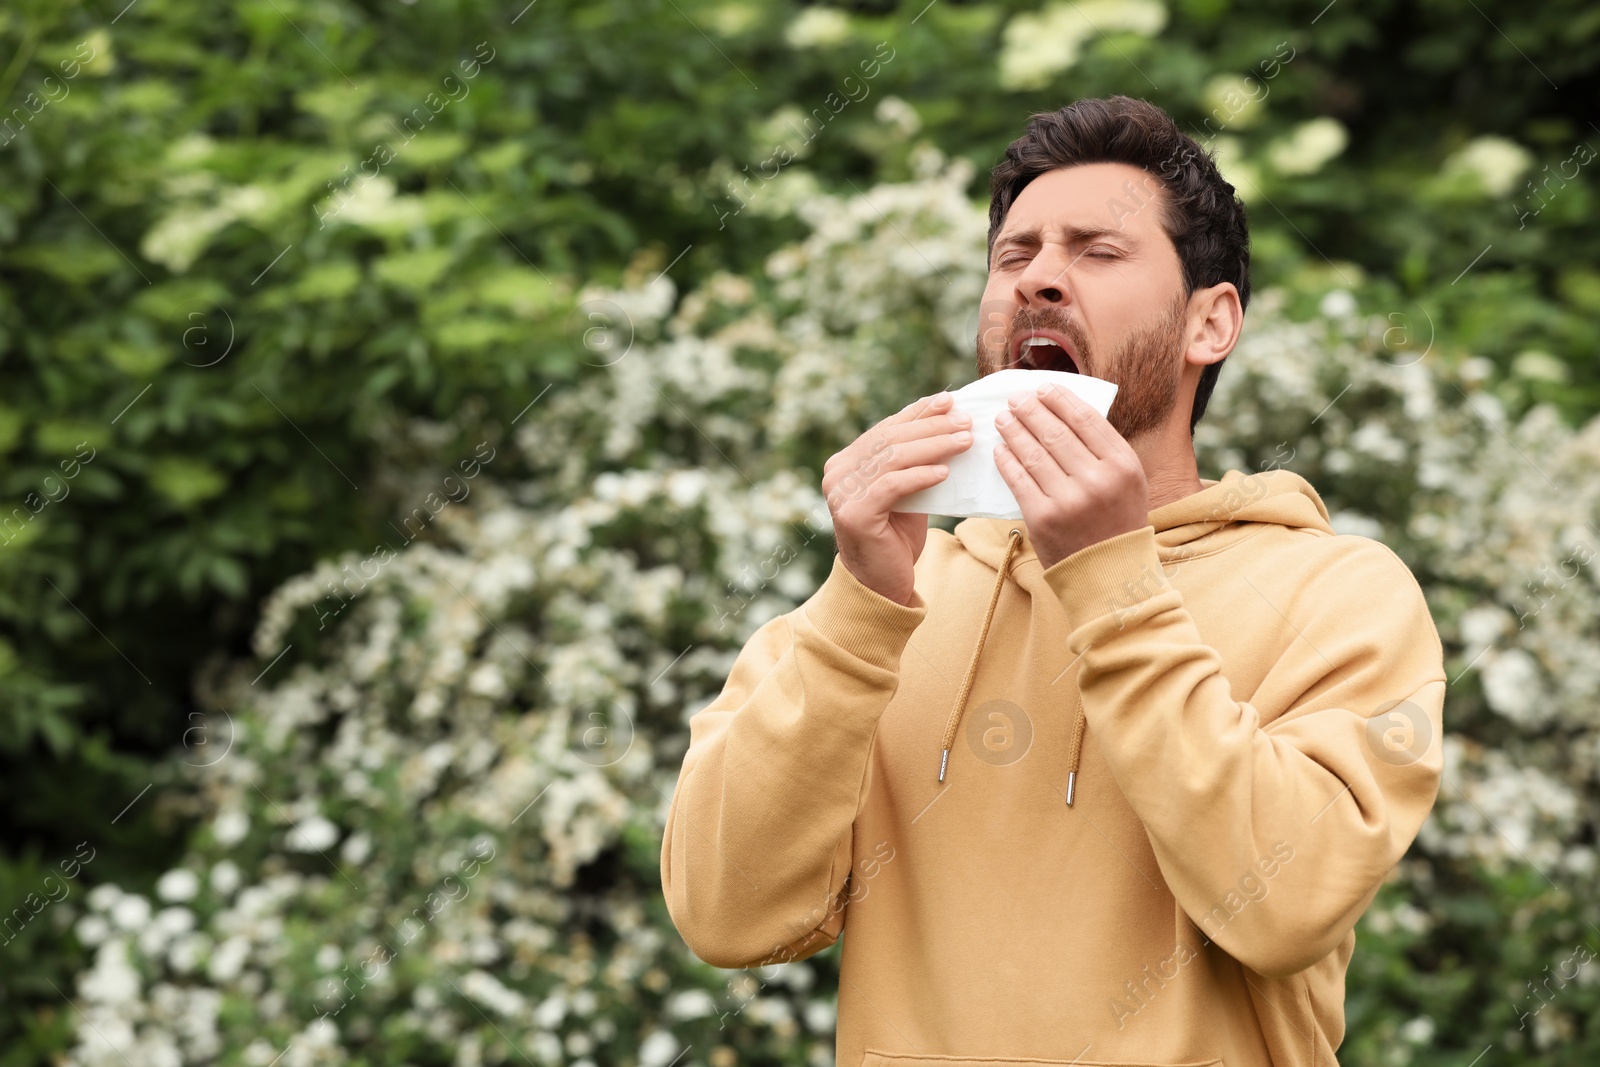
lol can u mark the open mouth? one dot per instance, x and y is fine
(1043, 350)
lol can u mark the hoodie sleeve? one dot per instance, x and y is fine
(758, 838)
(1323, 800)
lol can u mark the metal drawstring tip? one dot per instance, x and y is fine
(1072, 782)
(944, 758)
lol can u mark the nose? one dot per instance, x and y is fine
(1042, 284)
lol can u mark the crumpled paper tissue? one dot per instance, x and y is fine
(974, 486)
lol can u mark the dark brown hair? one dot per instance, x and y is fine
(1200, 213)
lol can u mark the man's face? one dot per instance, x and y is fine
(1082, 261)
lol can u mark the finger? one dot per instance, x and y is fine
(920, 451)
(930, 424)
(1089, 427)
(885, 491)
(1042, 466)
(1058, 436)
(897, 484)
(1022, 485)
(940, 429)
(854, 481)
(936, 404)
(925, 441)
(887, 429)
(887, 435)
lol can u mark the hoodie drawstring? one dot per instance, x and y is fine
(956, 712)
(954, 723)
(1077, 743)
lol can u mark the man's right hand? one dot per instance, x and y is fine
(900, 455)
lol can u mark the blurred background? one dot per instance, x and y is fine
(408, 410)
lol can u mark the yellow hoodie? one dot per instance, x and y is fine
(1176, 767)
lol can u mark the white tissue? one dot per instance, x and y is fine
(974, 485)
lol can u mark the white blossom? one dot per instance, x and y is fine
(1308, 146)
(313, 835)
(817, 26)
(1037, 46)
(1494, 162)
(178, 885)
(658, 1049)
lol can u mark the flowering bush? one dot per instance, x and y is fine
(436, 838)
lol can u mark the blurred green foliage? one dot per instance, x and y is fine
(213, 285)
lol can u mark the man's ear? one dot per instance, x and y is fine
(1215, 321)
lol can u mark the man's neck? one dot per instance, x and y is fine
(1169, 467)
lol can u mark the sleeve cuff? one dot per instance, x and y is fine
(861, 620)
(1110, 577)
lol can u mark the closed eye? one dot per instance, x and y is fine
(1008, 262)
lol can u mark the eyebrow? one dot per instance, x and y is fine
(1033, 235)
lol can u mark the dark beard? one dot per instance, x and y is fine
(1147, 366)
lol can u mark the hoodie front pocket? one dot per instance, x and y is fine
(878, 1058)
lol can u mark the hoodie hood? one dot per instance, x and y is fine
(1223, 513)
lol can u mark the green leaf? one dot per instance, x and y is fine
(416, 271)
(185, 481)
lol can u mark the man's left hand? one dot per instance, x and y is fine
(1077, 480)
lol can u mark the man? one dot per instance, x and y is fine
(1194, 730)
